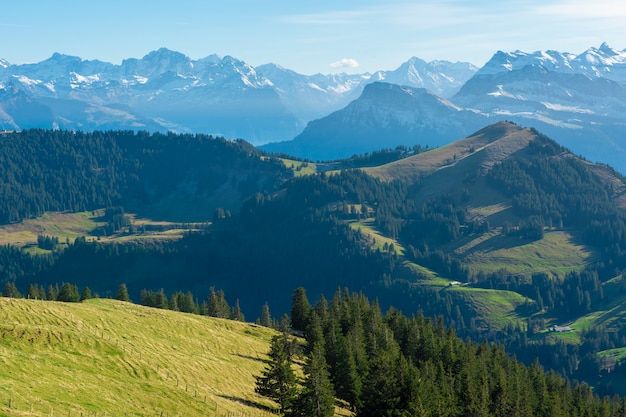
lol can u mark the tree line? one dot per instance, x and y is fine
(394, 365)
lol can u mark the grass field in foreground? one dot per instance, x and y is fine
(118, 358)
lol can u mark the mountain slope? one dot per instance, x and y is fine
(158, 175)
(384, 116)
(579, 101)
(482, 149)
(119, 358)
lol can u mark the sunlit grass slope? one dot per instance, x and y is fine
(118, 358)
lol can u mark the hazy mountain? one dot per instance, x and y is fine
(578, 100)
(166, 90)
(384, 116)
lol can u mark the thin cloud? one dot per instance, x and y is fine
(345, 63)
(577, 9)
(330, 18)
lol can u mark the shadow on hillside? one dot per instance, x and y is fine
(253, 358)
(249, 403)
(499, 242)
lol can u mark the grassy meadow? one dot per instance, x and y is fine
(106, 356)
(68, 226)
(557, 253)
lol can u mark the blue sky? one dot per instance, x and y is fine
(308, 37)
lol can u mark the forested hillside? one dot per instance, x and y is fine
(394, 365)
(178, 177)
(504, 235)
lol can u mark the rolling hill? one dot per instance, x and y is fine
(107, 356)
(503, 234)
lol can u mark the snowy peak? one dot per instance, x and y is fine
(512, 61)
(441, 77)
(605, 56)
(157, 63)
(593, 63)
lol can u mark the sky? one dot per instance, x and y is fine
(322, 36)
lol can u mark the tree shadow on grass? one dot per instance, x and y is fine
(266, 361)
(249, 403)
(499, 242)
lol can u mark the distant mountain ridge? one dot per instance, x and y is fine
(166, 90)
(578, 100)
(384, 116)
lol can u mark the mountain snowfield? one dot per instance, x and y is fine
(579, 100)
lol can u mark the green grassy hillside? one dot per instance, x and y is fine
(117, 358)
(68, 226)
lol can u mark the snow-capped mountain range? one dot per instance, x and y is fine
(579, 100)
(166, 90)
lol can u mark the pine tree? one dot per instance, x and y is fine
(53, 292)
(317, 398)
(235, 312)
(161, 300)
(278, 380)
(68, 293)
(86, 294)
(300, 310)
(347, 379)
(10, 290)
(314, 331)
(381, 390)
(218, 306)
(122, 293)
(33, 292)
(266, 318)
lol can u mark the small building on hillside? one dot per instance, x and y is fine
(560, 329)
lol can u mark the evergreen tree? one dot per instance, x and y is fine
(317, 398)
(381, 390)
(42, 293)
(161, 300)
(188, 304)
(173, 302)
(52, 293)
(278, 380)
(314, 331)
(122, 293)
(235, 313)
(10, 290)
(33, 292)
(86, 294)
(68, 293)
(218, 306)
(300, 310)
(266, 318)
(347, 380)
